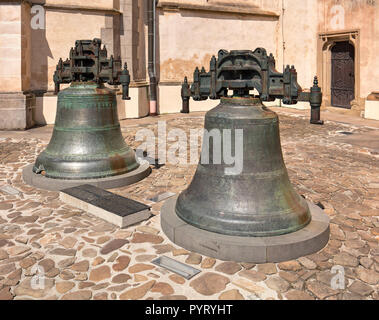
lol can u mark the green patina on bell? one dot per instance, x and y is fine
(87, 142)
(260, 200)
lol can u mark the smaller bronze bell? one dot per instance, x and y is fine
(87, 143)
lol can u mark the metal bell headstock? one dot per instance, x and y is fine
(245, 70)
(89, 62)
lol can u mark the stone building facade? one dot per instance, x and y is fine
(337, 40)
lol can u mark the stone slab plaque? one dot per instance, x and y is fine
(106, 205)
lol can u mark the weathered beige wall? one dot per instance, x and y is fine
(62, 29)
(300, 39)
(103, 4)
(189, 38)
(10, 48)
(339, 15)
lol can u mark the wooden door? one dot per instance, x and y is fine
(342, 87)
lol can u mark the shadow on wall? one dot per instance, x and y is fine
(40, 52)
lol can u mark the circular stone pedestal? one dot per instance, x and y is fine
(307, 240)
(40, 181)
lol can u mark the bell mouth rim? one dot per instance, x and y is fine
(245, 233)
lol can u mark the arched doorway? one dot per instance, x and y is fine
(342, 74)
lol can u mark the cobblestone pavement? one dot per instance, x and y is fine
(85, 258)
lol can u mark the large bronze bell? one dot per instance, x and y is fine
(87, 142)
(259, 201)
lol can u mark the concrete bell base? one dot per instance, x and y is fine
(39, 181)
(308, 240)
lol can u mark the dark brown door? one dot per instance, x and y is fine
(342, 89)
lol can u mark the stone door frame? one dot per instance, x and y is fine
(325, 42)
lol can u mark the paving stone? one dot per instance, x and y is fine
(352, 296)
(277, 284)
(89, 240)
(139, 267)
(179, 252)
(22, 239)
(233, 294)
(63, 252)
(102, 240)
(173, 297)
(16, 250)
(194, 258)
(65, 263)
(252, 275)
(100, 273)
(208, 263)
(112, 257)
(68, 242)
(177, 279)
(123, 234)
(336, 233)
(81, 276)
(66, 275)
(140, 278)
(113, 245)
(100, 296)
(6, 206)
(320, 290)
(46, 264)
(24, 219)
(138, 292)
(147, 229)
(209, 283)
(121, 278)
(307, 263)
(145, 237)
(97, 261)
(163, 288)
(100, 286)
(248, 266)
(64, 286)
(345, 259)
(13, 278)
(292, 265)
(5, 294)
(85, 284)
(25, 288)
(289, 276)
(78, 295)
(7, 268)
(52, 273)
(298, 295)
(249, 286)
(81, 266)
(27, 262)
(89, 253)
(368, 276)
(361, 288)
(145, 257)
(366, 262)
(228, 267)
(163, 248)
(267, 268)
(3, 254)
(122, 263)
